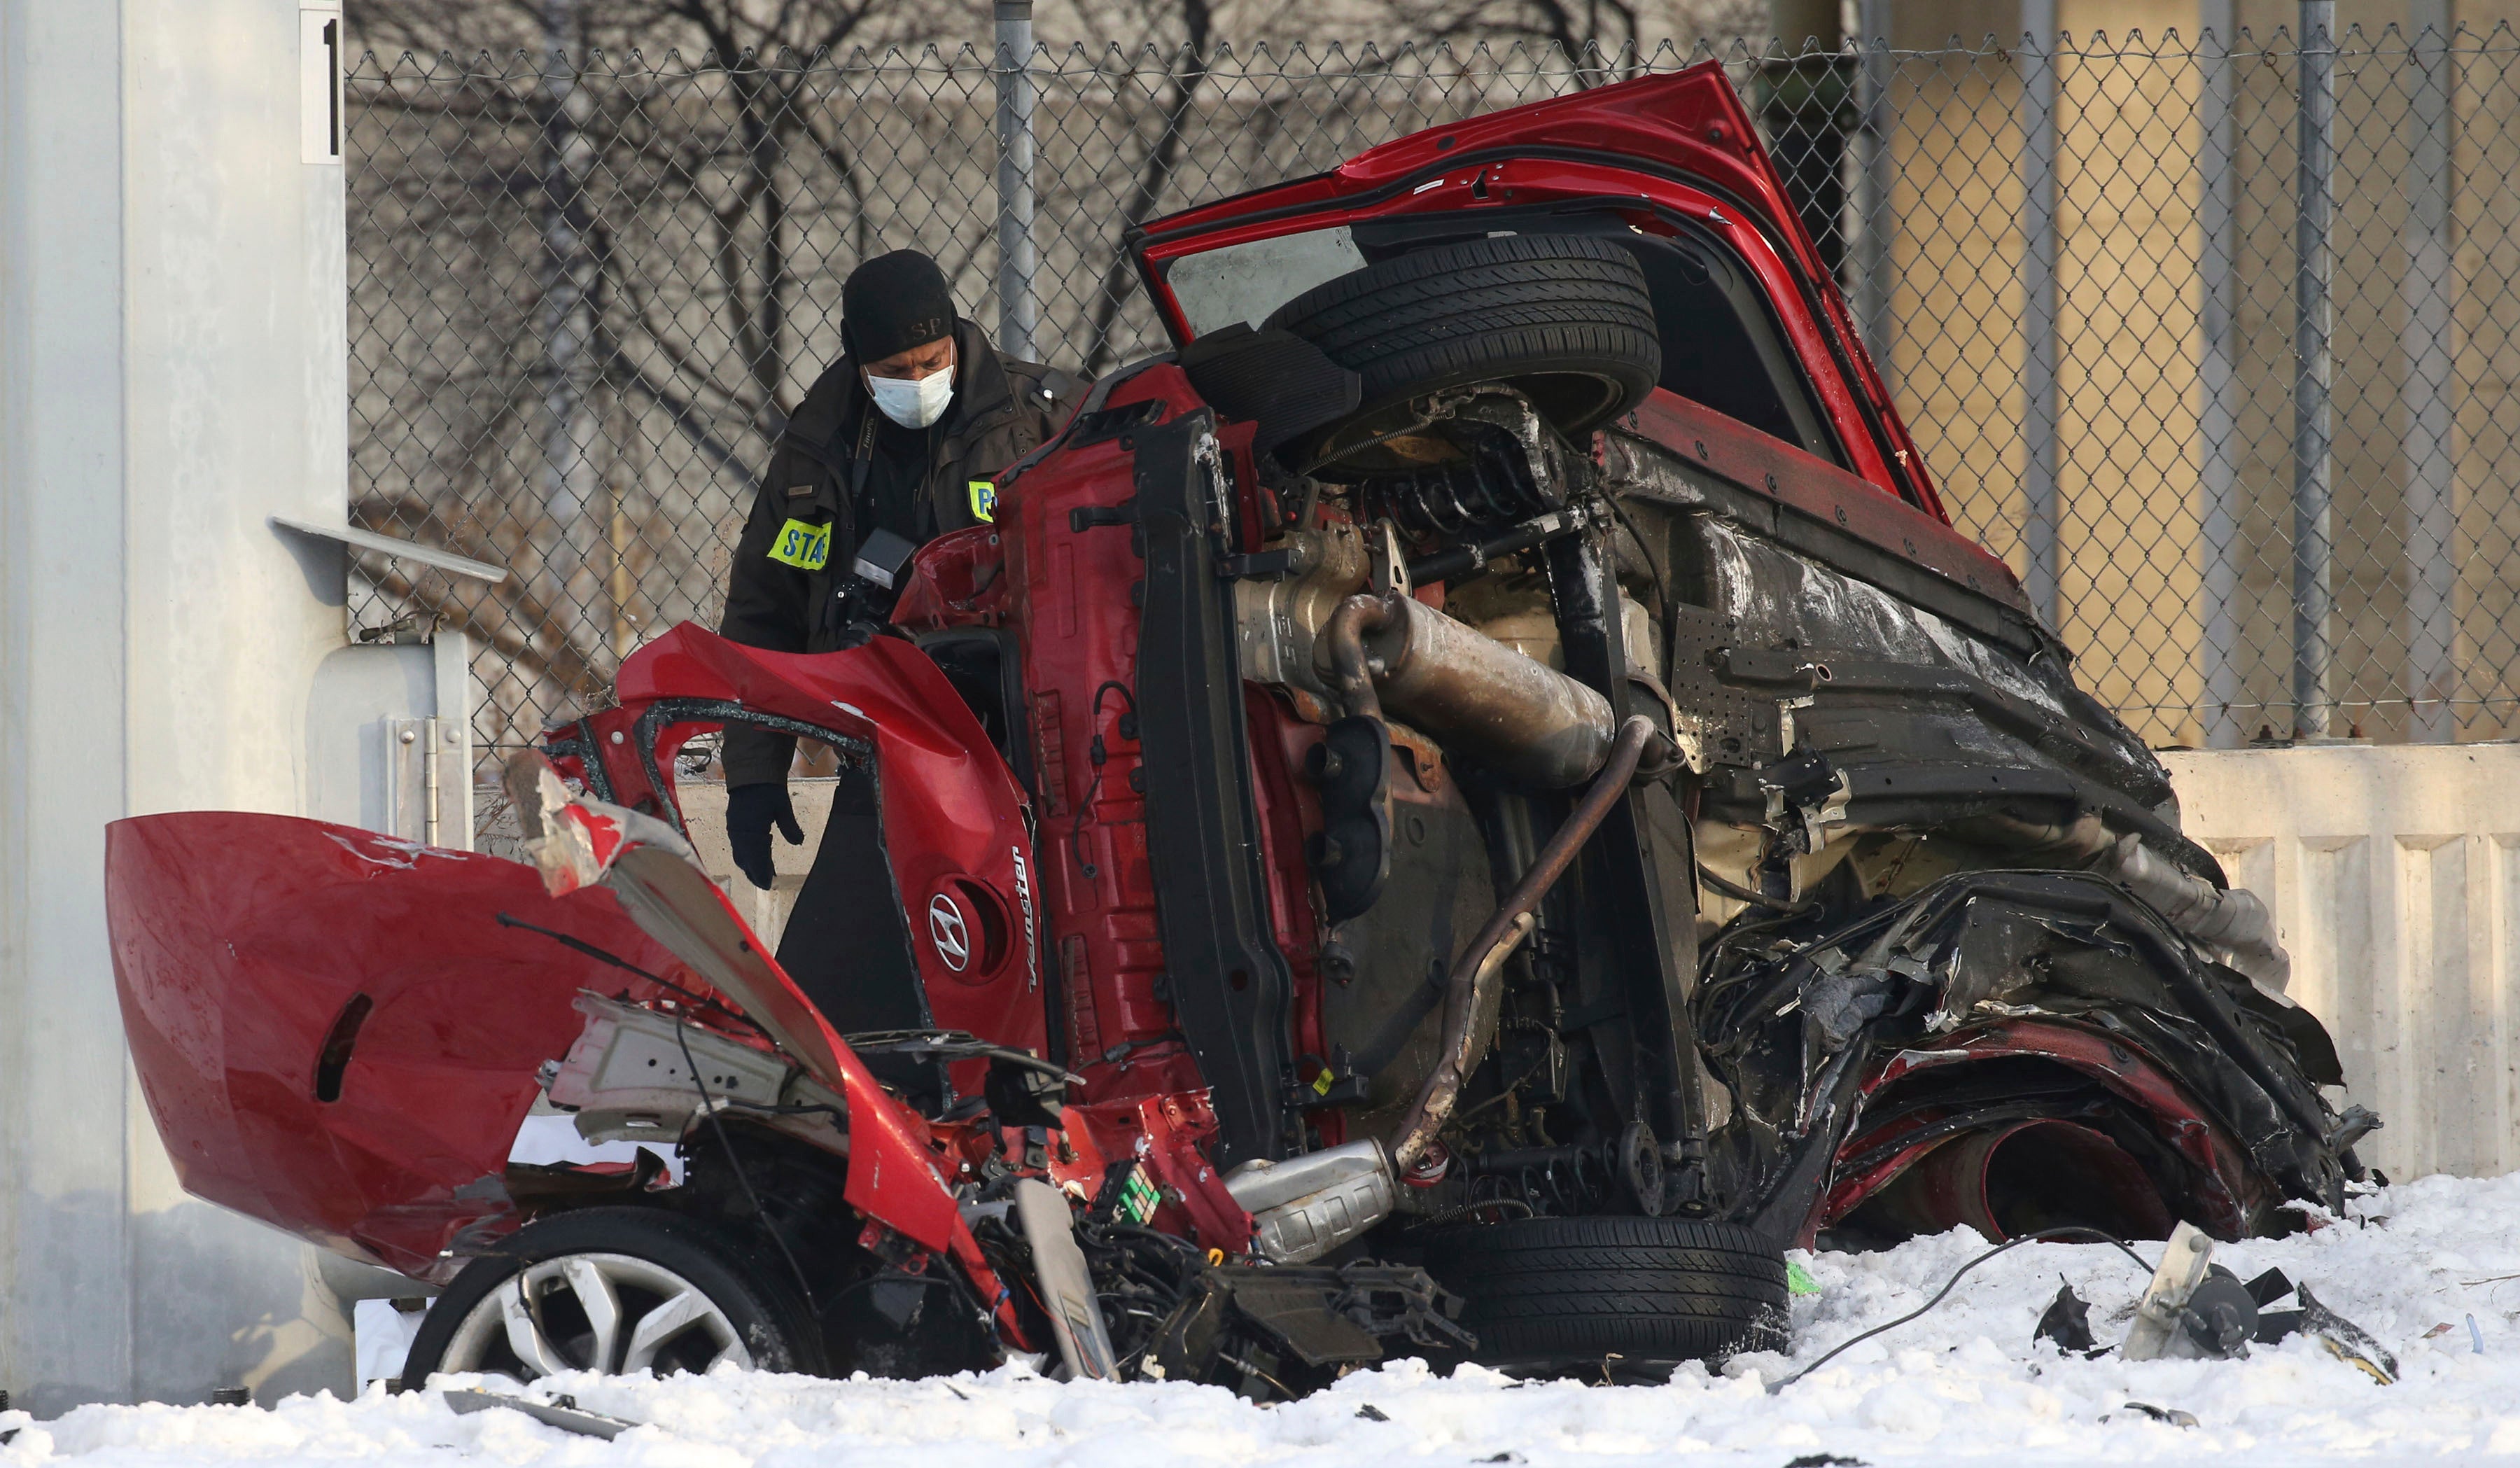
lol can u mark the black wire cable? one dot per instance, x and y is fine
(1097, 753)
(1738, 893)
(735, 1163)
(1115, 686)
(2044, 1236)
(580, 945)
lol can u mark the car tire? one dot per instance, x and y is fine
(686, 1296)
(1629, 1296)
(1565, 318)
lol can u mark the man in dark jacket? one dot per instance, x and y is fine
(895, 445)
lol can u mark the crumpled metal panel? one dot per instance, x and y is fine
(241, 941)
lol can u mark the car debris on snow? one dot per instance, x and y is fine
(562, 1412)
(1959, 1386)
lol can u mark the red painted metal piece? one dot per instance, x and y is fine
(240, 941)
(953, 813)
(1077, 632)
(1821, 491)
(1680, 142)
(955, 580)
(1171, 1136)
(2227, 1188)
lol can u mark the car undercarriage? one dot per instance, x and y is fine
(1458, 814)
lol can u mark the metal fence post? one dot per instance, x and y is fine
(2217, 371)
(2432, 516)
(1875, 225)
(1018, 257)
(2314, 371)
(572, 479)
(2038, 529)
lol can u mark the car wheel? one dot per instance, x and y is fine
(612, 1290)
(1565, 318)
(1630, 1296)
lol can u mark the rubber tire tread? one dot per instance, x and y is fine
(1564, 1294)
(1486, 310)
(739, 1279)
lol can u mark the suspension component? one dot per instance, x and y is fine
(1492, 485)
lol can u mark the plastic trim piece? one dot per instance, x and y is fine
(402, 550)
(1230, 984)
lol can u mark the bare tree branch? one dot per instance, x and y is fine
(1162, 157)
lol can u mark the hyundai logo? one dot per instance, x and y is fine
(949, 932)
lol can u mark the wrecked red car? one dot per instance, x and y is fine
(1458, 813)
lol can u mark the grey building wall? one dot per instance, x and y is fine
(172, 373)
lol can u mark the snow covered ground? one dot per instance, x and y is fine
(1965, 1382)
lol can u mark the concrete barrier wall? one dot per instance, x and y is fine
(173, 372)
(2395, 873)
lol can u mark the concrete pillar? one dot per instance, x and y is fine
(2219, 449)
(2041, 520)
(173, 372)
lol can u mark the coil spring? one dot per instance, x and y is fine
(1494, 488)
(1574, 1185)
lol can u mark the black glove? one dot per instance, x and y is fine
(751, 812)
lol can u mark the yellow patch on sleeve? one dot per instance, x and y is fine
(984, 502)
(806, 547)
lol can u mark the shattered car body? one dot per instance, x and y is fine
(1491, 749)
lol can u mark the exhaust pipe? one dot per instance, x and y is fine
(1304, 1207)
(1508, 712)
(1473, 979)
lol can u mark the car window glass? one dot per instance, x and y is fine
(1244, 283)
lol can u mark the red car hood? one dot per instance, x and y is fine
(243, 948)
(338, 1035)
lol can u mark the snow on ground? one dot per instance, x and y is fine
(1963, 1382)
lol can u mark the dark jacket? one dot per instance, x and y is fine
(784, 588)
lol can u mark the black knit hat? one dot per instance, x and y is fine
(895, 302)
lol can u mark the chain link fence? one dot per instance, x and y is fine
(2214, 343)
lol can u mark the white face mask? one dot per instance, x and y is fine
(913, 402)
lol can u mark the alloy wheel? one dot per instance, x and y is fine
(608, 1312)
